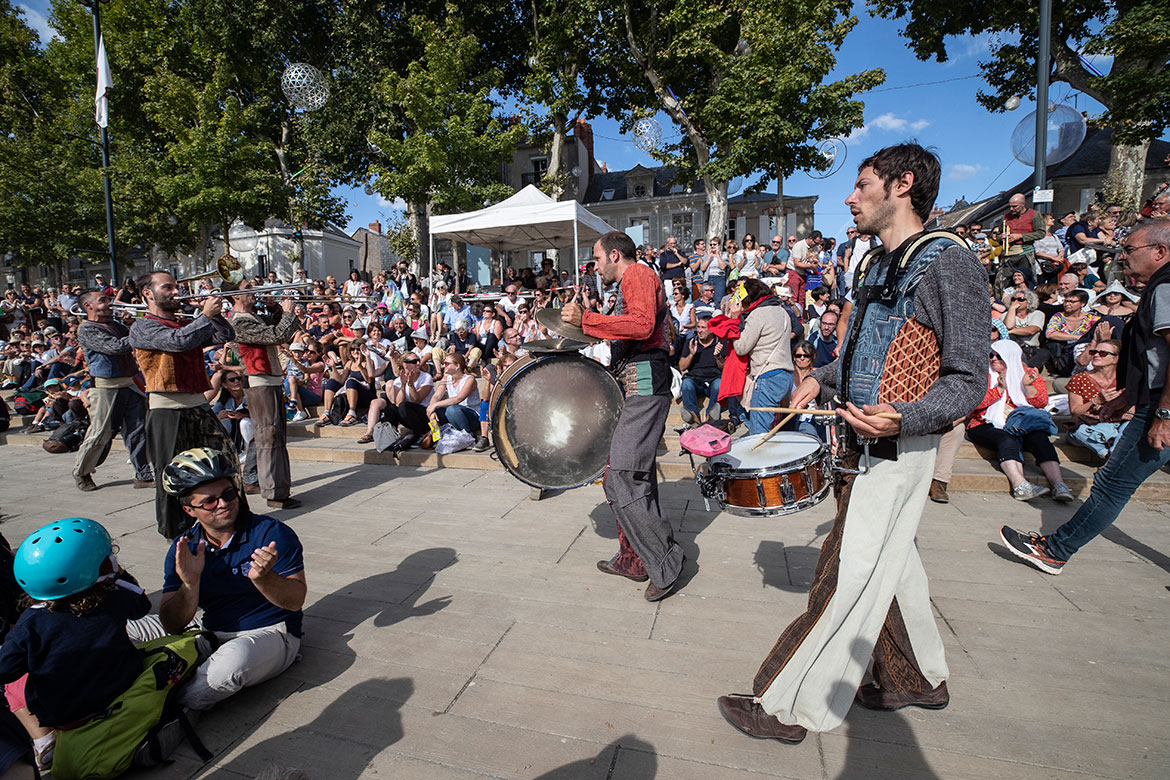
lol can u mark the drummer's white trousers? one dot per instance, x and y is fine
(878, 562)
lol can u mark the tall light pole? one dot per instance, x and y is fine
(1043, 66)
(95, 9)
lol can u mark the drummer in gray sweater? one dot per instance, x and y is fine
(911, 365)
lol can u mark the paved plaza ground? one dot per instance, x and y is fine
(456, 629)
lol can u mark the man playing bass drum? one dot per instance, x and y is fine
(637, 331)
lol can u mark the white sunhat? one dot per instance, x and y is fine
(1115, 287)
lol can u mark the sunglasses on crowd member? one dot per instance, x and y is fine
(1101, 352)
(234, 379)
(410, 362)
(803, 355)
(227, 496)
(1021, 298)
(996, 356)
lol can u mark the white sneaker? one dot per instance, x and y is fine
(1026, 491)
(300, 416)
(1061, 493)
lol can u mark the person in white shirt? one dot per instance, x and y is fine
(403, 404)
(511, 300)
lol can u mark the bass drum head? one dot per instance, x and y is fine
(553, 418)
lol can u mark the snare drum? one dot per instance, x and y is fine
(789, 473)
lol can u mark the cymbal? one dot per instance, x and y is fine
(558, 344)
(551, 319)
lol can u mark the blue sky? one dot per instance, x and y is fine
(972, 143)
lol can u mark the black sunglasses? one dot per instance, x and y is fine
(227, 496)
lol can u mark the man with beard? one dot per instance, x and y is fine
(115, 402)
(909, 350)
(640, 349)
(170, 354)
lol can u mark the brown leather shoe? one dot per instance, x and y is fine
(874, 698)
(284, 503)
(608, 568)
(747, 716)
(85, 484)
(251, 488)
(938, 492)
(139, 484)
(655, 593)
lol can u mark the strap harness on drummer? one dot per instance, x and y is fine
(883, 310)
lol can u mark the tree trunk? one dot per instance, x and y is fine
(717, 202)
(419, 226)
(556, 157)
(781, 223)
(1127, 172)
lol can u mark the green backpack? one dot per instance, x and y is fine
(107, 744)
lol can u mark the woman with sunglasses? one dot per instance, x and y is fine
(456, 398)
(1115, 301)
(404, 404)
(1012, 386)
(803, 355)
(230, 405)
(714, 267)
(747, 260)
(1024, 323)
(1087, 392)
(682, 312)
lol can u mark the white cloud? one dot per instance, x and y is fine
(37, 21)
(397, 203)
(960, 171)
(888, 122)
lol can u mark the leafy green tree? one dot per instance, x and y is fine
(447, 141)
(744, 82)
(1135, 33)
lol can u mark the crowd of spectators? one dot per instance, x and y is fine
(406, 351)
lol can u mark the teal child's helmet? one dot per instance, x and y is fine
(61, 558)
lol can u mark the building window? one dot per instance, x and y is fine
(682, 228)
(639, 190)
(731, 228)
(607, 194)
(539, 166)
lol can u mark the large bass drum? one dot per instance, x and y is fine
(553, 417)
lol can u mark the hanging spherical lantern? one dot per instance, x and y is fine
(304, 86)
(647, 134)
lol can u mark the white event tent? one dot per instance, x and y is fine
(527, 220)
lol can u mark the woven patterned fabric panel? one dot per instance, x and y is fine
(912, 365)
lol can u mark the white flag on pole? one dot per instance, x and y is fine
(104, 82)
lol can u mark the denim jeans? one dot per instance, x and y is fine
(1133, 460)
(1097, 437)
(692, 387)
(720, 285)
(459, 417)
(771, 389)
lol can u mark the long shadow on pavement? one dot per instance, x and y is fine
(367, 714)
(605, 763)
(388, 598)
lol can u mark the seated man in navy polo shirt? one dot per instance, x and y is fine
(245, 571)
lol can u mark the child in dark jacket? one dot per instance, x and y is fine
(68, 656)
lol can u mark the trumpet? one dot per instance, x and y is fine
(261, 291)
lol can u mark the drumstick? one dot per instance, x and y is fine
(773, 432)
(786, 410)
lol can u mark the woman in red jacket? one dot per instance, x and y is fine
(1011, 385)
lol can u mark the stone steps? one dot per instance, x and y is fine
(972, 471)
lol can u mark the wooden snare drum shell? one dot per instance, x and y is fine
(746, 492)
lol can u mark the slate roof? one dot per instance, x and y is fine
(664, 183)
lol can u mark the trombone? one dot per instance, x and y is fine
(227, 268)
(137, 309)
(261, 291)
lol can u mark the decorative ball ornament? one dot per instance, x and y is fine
(1066, 131)
(647, 134)
(242, 238)
(1012, 103)
(304, 86)
(368, 189)
(834, 151)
